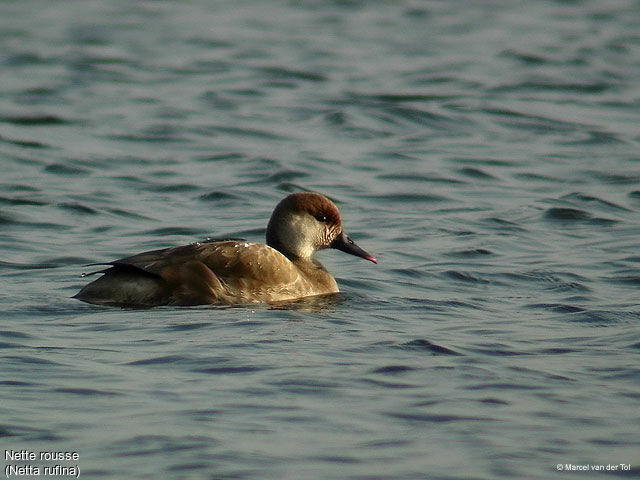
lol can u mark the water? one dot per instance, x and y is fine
(485, 152)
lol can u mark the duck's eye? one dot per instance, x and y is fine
(321, 218)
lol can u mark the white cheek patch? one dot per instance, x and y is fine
(299, 233)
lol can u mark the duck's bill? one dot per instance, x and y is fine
(344, 243)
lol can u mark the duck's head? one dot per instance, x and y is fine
(304, 223)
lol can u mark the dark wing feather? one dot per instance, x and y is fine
(152, 262)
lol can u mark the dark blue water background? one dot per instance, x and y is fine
(486, 152)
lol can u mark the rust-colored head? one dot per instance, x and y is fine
(305, 222)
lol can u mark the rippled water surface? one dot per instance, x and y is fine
(486, 152)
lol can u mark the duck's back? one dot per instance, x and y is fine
(228, 272)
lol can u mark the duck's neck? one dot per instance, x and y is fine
(293, 254)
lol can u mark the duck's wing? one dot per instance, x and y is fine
(155, 261)
(159, 277)
(228, 259)
(229, 271)
(253, 263)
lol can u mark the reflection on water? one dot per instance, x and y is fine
(315, 304)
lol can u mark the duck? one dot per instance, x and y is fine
(234, 271)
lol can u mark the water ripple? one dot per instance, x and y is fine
(427, 346)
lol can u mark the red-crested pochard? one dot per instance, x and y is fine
(234, 271)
